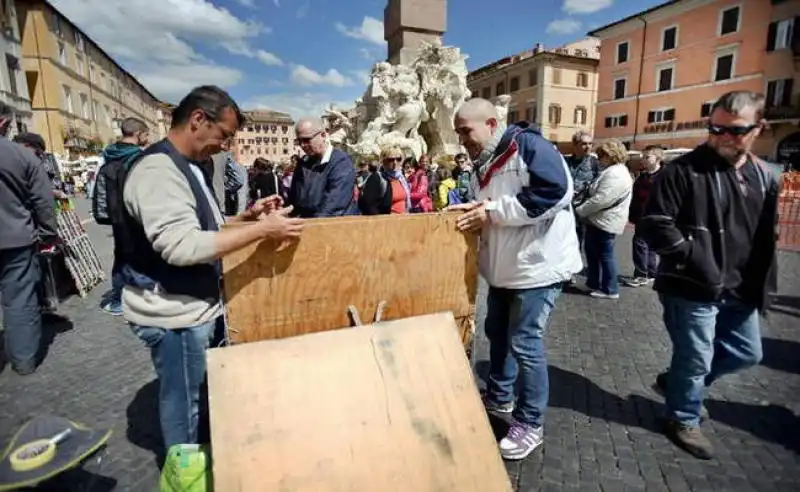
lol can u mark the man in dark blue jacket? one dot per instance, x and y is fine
(323, 183)
(27, 216)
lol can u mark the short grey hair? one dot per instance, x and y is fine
(735, 102)
(131, 126)
(579, 135)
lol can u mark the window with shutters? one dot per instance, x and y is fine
(512, 117)
(514, 84)
(554, 114)
(779, 93)
(530, 114)
(705, 109)
(780, 33)
(622, 52)
(729, 20)
(620, 86)
(723, 69)
(669, 38)
(616, 120)
(62, 53)
(583, 79)
(661, 115)
(556, 76)
(665, 78)
(579, 118)
(500, 89)
(533, 77)
(486, 93)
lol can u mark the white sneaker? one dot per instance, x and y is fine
(602, 295)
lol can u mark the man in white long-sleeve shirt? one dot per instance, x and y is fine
(529, 248)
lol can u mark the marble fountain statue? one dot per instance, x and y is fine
(411, 106)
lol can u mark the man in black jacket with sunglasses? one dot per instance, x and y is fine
(712, 216)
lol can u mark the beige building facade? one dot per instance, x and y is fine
(13, 88)
(554, 88)
(267, 134)
(78, 93)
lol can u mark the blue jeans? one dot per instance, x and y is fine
(709, 340)
(19, 285)
(516, 321)
(601, 264)
(645, 260)
(179, 357)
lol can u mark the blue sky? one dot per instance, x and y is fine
(300, 55)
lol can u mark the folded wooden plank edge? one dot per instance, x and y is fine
(390, 407)
(418, 264)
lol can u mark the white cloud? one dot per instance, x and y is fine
(362, 76)
(296, 104)
(371, 30)
(304, 76)
(154, 40)
(585, 6)
(268, 58)
(563, 26)
(175, 81)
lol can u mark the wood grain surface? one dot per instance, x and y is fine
(418, 264)
(390, 407)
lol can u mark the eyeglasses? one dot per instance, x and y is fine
(393, 159)
(303, 140)
(736, 131)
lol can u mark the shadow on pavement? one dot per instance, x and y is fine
(788, 305)
(77, 480)
(52, 326)
(771, 423)
(781, 355)
(144, 429)
(575, 392)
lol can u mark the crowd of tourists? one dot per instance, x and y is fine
(704, 236)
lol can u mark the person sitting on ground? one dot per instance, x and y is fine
(324, 180)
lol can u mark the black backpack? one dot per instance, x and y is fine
(108, 206)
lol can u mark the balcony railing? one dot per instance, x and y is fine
(782, 112)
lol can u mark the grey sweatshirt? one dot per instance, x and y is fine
(27, 207)
(159, 197)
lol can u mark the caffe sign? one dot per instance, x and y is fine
(671, 126)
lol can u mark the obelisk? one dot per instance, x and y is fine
(407, 23)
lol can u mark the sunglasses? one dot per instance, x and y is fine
(736, 131)
(303, 140)
(393, 159)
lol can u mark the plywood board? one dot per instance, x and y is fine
(390, 407)
(418, 264)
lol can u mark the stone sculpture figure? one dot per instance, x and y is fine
(339, 127)
(413, 105)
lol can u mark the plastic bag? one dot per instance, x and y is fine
(187, 469)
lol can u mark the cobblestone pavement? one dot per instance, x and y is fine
(601, 431)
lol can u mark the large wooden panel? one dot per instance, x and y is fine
(389, 407)
(418, 264)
